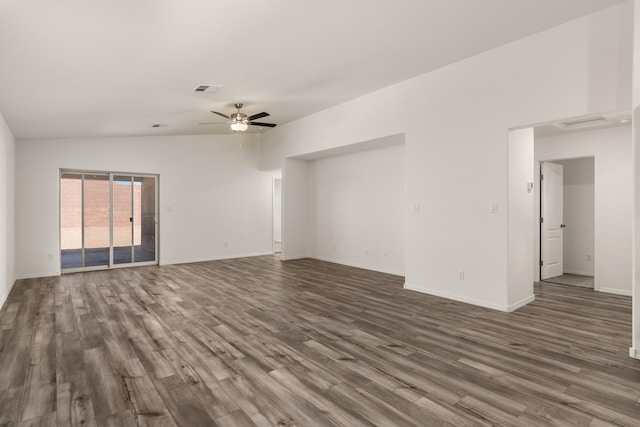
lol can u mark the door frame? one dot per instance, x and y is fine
(537, 208)
(541, 187)
(111, 174)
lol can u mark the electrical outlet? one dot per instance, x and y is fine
(386, 254)
(460, 274)
(589, 257)
(226, 244)
(50, 257)
(366, 251)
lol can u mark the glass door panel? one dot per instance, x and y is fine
(71, 220)
(144, 207)
(96, 220)
(123, 220)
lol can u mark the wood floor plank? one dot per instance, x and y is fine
(375, 412)
(182, 403)
(10, 405)
(74, 406)
(260, 342)
(301, 410)
(306, 390)
(121, 419)
(43, 421)
(148, 407)
(202, 383)
(116, 342)
(90, 335)
(261, 412)
(235, 419)
(550, 413)
(69, 357)
(106, 387)
(149, 354)
(9, 316)
(14, 361)
(38, 400)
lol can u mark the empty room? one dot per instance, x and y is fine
(292, 213)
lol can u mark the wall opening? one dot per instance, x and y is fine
(347, 205)
(567, 221)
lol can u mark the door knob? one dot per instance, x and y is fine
(562, 225)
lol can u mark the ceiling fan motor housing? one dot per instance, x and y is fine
(239, 118)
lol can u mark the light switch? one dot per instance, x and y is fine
(493, 207)
(415, 207)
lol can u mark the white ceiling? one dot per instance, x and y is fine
(77, 68)
(549, 130)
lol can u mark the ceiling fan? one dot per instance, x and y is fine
(240, 122)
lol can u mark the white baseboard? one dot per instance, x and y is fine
(218, 258)
(37, 276)
(291, 258)
(3, 300)
(579, 273)
(522, 303)
(364, 267)
(615, 291)
(472, 301)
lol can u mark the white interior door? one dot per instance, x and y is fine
(552, 226)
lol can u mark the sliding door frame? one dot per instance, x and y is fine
(111, 263)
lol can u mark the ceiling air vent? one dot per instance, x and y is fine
(207, 88)
(584, 122)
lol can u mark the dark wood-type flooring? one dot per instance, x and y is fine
(259, 342)
(572, 280)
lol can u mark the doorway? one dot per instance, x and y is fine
(567, 221)
(107, 220)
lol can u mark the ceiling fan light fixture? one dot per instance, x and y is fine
(239, 127)
(240, 122)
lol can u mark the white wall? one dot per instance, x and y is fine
(613, 166)
(295, 210)
(277, 210)
(456, 122)
(520, 209)
(7, 211)
(211, 192)
(634, 351)
(579, 215)
(358, 202)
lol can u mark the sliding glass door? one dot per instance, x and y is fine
(123, 221)
(107, 219)
(148, 214)
(84, 220)
(134, 224)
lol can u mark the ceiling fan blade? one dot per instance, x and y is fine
(258, 116)
(223, 115)
(267, 125)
